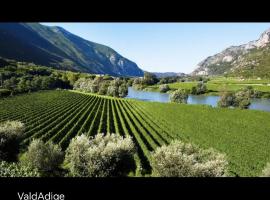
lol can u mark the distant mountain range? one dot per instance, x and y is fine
(58, 48)
(168, 74)
(247, 60)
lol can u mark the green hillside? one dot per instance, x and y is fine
(56, 47)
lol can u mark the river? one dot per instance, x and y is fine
(256, 104)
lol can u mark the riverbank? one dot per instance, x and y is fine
(213, 89)
(206, 99)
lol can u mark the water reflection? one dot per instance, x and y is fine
(256, 104)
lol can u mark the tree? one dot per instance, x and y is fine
(239, 99)
(242, 99)
(72, 77)
(194, 90)
(45, 158)
(47, 83)
(149, 79)
(227, 99)
(251, 92)
(103, 88)
(10, 83)
(100, 156)
(22, 85)
(36, 83)
(266, 171)
(179, 96)
(10, 134)
(123, 90)
(112, 91)
(137, 81)
(16, 170)
(186, 160)
(201, 88)
(164, 88)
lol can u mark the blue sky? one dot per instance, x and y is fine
(167, 47)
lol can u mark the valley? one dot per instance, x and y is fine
(70, 107)
(58, 116)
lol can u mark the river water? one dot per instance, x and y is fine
(256, 104)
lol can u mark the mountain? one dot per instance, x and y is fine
(167, 74)
(251, 59)
(58, 48)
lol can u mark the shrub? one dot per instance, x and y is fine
(226, 99)
(16, 170)
(10, 135)
(194, 90)
(112, 91)
(179, 96)
(201, 88)
(164, 88)
(123, 90)
(45, 158)
(101, 156)
(103, 88)
(242, 100)
(266, 171)
(251, 92)
(185, 160)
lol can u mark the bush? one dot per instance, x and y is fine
(194, 90)
(179, 96)
(242, 100)
(201, 88)
(123, 90)
(16, 170)
(112, 91)
(185, 160)
(45, 158)
(266, 171)
(227, 99)
(101, 156)
(164, 88)
(10, 135)
(103, 88)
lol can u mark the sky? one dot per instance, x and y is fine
(167, 47)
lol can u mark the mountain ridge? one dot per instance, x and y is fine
(56, 47)
(236, 60)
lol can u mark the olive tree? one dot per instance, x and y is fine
(227, 99)
(45, 158)
(100, 156)
(164, 88)
(179, 96)
(266, 171)
(10, 134)
(242, 99)
(112, 91)
(201, 88)
(103, 88)
(180, 159)
(16, 170)
(123, 90)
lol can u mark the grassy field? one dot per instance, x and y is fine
(58, 116)
(218, 84)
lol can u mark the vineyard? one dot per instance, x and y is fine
(58, 116)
